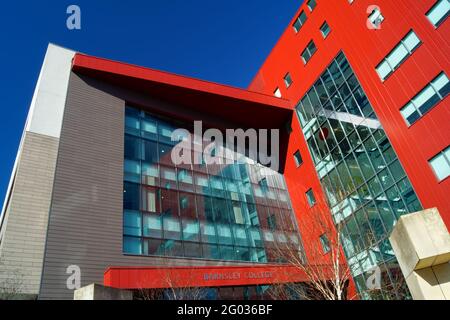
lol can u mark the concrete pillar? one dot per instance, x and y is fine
(421, 243)
(99, 292)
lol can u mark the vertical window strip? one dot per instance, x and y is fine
(398, 55)
(436, 91)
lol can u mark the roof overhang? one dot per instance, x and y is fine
(236, 107)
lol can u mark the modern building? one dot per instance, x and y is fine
(358, 93)
(369, 81)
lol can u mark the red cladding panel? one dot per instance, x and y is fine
(365, 48)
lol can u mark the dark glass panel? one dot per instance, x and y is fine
(169, 203)
(132, 148)
(152, 225)
(131, 196)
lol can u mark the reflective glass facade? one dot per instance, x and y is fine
(223, 211)
(365, 185)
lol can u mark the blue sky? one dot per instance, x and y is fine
(225, 41)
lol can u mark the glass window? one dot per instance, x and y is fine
(298, 158)
(211, 251)
(240, 235)
(173, 248)
(132, 225)
(132, 123)
(152, 226)
(153, 247)
(165, 133)
(169, 203)
(132, 171)
(363, 102)
(169, 210)
(426, 99)
(191, 230)
(375, 221)
(364, 164)
(307, 109)
(149, 129)
(352, 106)
(374, 154)
(325, 243)
(309, 51)
(385, 178)
(224, 234)
(314, 100)
(396, 57)
(321, 92)
(439, 12)
(185, 180)
(377, 201)
(150, 174)
(310, 197)
(325, 29)
(208, 232)
(150, 199)
(409, 196)
(168, 178)
(132, 148)
(384, 70)
(187, 205)
(396, 170)
(410, 113)
(221, 210)
(288, 80)
(132, 245)
(441, 164)
(442, 85)
(300, 21)
(337, 129)
(172, 228)
(165, 157)
(396, 203)
(150, 151)
(277, 93)
(312, 5)
(131, 196)
(345, 178)
(192, 249)
(411, 41)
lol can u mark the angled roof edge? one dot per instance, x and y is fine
(83, 62)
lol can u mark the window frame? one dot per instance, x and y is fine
(417, 110)
(288, 83)
(298, 159)
(311, 9)
(443, 18)
(325, 23)
(325, 243)
(400, 44)
(443, 154)
(309, 51)
(299, 21)
(312, 201)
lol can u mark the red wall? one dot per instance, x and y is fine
(365, 49)
(191, 276)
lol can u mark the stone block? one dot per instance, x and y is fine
(420, 240)
(96, 291)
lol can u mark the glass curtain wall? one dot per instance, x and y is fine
(237, 211)
(365, 184)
